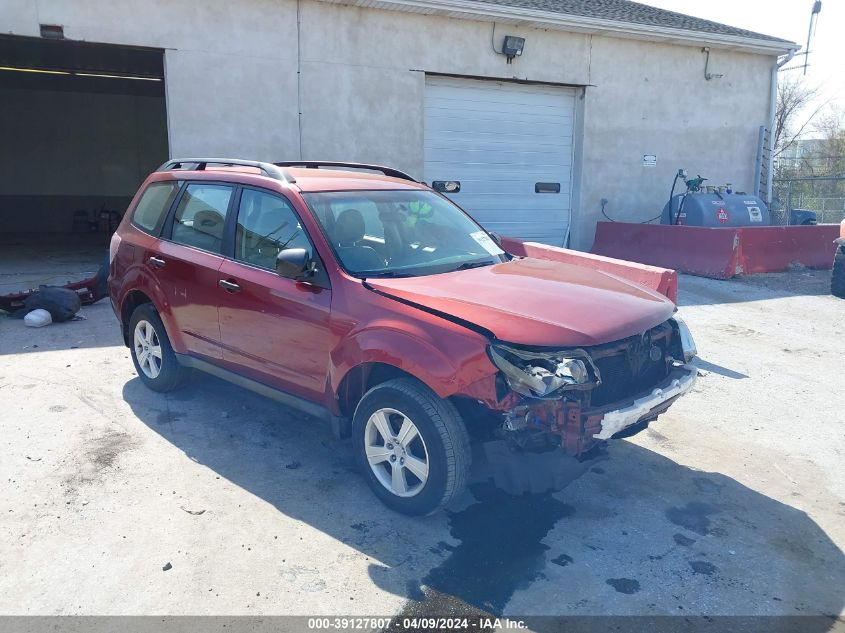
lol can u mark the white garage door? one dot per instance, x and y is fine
(504, 142)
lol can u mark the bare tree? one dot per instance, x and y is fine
(794, 96)
(829, 148)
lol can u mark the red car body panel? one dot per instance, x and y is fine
(189, 281)
(567, 305)
(276, 330)
(444, 355)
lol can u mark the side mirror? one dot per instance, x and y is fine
(446, 186)
(293, 263)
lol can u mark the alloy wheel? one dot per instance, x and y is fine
(147, 349)
(396, 452)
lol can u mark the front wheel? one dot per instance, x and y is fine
(411, 446)
(837, 278)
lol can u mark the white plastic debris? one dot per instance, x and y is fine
(38, 318)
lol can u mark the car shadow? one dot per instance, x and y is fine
(638, 533)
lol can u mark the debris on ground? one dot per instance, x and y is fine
(194, 512)
(38, 318)
(61, 303)
(167, 567)
(88, 291)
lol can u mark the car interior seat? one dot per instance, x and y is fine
(348, 234)
(206, 231)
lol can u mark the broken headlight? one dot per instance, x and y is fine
(687, 342)
(541, 374)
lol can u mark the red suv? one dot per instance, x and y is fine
(373, 301)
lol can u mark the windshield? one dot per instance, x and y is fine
(401, 233)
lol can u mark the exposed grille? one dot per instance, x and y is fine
(631, 370)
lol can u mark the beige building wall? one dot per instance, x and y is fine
(233, 88)
(651, 98)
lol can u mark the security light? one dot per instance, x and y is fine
(512, 46)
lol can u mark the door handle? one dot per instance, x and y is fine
(156, 262)
(229, 286)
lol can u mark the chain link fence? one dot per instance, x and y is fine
(823, 194)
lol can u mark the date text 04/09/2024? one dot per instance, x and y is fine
(414, 623)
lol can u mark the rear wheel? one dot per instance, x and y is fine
(411, 446)
(152, 353)
(837, 279)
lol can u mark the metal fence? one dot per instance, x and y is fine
(823, 194)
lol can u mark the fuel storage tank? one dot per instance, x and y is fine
(716, 209)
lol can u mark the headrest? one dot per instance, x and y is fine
(349, 227)
(209, 222)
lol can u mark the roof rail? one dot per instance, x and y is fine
(200, 164)
(317, 164)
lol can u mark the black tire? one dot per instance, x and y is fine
(837, 276)
(171, 374)
(446, 443)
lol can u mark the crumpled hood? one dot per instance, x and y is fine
(537, 302)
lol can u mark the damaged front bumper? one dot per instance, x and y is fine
(650, 405)
(581, 428)
(90, 290)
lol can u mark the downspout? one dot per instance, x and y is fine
(773, 104)
(299, 75)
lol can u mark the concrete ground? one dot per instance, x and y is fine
(212, 500)
(28, 260)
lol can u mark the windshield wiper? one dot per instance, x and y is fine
(468, 265)
(387, 274)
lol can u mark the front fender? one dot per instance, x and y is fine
(416, 353)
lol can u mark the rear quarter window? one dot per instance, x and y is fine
(153, 206)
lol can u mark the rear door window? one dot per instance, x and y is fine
(201, 216)
(154, 204)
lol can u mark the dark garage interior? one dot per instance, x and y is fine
(81, 126)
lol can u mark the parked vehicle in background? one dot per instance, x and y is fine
(373, 301)
(803, 217)
(837, 277)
